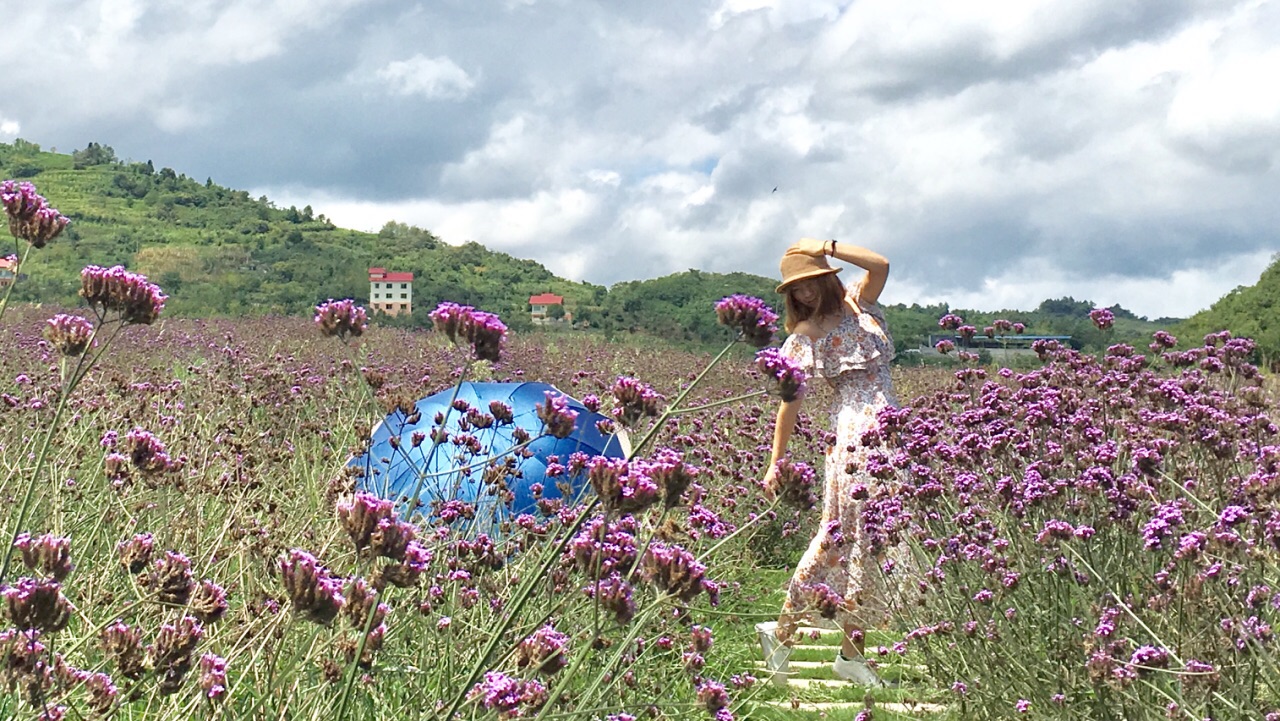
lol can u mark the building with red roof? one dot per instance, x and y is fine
(8, 271)
(541, 303)
(390, 293)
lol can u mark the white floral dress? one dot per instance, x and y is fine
(854, 360)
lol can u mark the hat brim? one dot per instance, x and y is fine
(782, 288)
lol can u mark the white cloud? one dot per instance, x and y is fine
(429, 77)
(9, 127)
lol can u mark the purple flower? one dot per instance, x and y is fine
(510, 697)
(793, 484)
(131, 295)
(1102, 318)
(950, 321)
(363, 516)
(312, 590)
(461, 323)
(49, 554)
(30, 217)
(712, 695)
(135, 553)
(1022, 705)
(172, 578)
(544, 651)
(751, 317)
(123, 645)
(213, 676)
(786, 376)
(37, 604)
(147, 453)
(208, 602)
(674, 570)
(1149, 657)
(615, 596)
(70, 334)
(556, 415)
(944, 346)
(634, 400)
(172, 653)
(341, 318)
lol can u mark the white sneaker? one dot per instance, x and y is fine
(777, 655)
(857, 671)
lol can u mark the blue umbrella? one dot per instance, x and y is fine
(393, 469)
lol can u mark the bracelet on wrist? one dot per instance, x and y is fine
(833, 248)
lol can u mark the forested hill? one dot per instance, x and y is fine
(217, 251)
(1252, 311)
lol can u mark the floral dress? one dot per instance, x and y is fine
(839, 572)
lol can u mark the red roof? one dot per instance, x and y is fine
(546, 299)
(382, 274)
(6, 263)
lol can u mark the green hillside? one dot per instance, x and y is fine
(1248, 311)
(217, 251)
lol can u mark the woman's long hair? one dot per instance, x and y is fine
(830, 301)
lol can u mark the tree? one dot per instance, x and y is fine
(93, 154)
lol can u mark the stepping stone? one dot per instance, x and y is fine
(901, 708)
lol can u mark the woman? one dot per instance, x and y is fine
(841, 337)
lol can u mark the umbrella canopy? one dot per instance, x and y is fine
(456, 469)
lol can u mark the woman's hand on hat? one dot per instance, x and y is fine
(812, 246)
(769, 481)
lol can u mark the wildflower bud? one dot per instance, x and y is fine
(361, 598)
(501, 412)
(172, 654)
(406, 573)
(507, 696)
(208, 602)
(966, 332)
(793, 484)
(615, 596)
(213, 676)
(39, 605)
(544, 651)
(751, 317)
(823, 599)
(30, 217)
(103, 694)
(786, 377)
(591, 402)
(362, 515)
(391, 538)
(135, 553)
(702, 638)
(556, 416)
(484, 331)
(172, 578)
(313, 592)
(674, 570)
(944, 346)
(49, 554)
(70, 334)
(672, 474)
(1102, 318)
(635, 400)
(1001, 325)
(950, 321)
(115, 289)
(341, 318)
(123, 645)
(712, 695)
(146, 452)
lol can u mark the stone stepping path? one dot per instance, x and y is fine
(814, 692)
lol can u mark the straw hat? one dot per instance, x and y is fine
(797, 266)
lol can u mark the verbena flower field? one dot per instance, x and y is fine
(1092, 538)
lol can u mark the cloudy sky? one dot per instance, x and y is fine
(1000, 152)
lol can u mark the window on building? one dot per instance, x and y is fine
(404, 295)
(403, 286)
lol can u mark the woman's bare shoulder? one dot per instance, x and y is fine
(808, 328)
